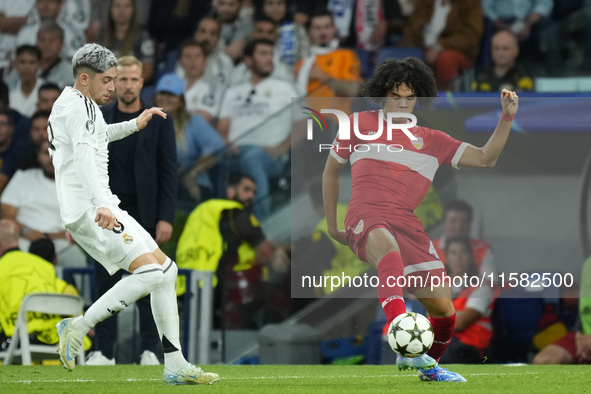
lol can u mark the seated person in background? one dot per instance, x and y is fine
(256, 123)
(293, 43)
(37, 136)
(21, 122)
(264, 29)
(24, 94)
(224, 237)
(319, 253)
(124, 37)
(58, 11)
(54, 69)
(48, 94)
(574, 347)
(449, 32)
(21, 274)
(457, 222)
(219, 64)
(196, 141)
(503, 72)
(235, 27)
(12, 150)
(329, 71)
(473, 306)
(30, 199)
(203, 94)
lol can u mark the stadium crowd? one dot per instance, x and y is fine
(225, 71)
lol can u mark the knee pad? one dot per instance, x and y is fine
(151, 275)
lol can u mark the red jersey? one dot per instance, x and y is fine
(387, 180)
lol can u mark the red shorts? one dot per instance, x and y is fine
(416, 249)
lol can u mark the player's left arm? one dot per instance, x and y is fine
(117, 131)
(488, 155)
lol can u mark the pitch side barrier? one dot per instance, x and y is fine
(198, 321)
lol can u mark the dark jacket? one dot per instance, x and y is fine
(462, 32)
(155, 169)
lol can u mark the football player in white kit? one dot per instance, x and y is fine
(78, 141)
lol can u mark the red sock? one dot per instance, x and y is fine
(391, 297)
(443, 328)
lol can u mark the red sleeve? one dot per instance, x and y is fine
(448, 150)
(342, 148)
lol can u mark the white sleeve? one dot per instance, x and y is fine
(84, 161)
(12, 193)
(225, 110)
(118, 131)
(80, 123)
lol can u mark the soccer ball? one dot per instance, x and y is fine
(410, 335)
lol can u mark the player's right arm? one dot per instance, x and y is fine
(330, 197)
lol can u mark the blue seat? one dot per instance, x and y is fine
(399, 53)
(366, 64)
(485, 56)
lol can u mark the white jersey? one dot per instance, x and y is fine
(76, 119)
(205, 95)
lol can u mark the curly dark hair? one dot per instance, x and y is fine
(392, 73)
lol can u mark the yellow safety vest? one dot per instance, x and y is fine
(201, 246)
(24, 273)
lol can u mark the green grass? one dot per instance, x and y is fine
(482, 379)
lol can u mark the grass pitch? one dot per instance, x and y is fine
(482, 379)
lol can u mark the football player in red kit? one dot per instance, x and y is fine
(388, 184)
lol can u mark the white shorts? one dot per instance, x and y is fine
(114, 249)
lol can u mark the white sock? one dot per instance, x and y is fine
(166, 315)
(125, 292)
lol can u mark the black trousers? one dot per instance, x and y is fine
(106, 331)
(460, 353)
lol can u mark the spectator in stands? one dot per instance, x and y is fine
(124, 38)
(21, 123)
(293, 43)
(223, 236)
(264, 29)
(531, 22)
(30, 200)
(12, 150)
(196, 140)
(23, 97)
(235, 29)
(329, 71)
(48, 94)
(255, 121)
(173, 21)
(51, 10)
(457, 222)
(318, 253)
(503, 72)
(219, 64)
(37, 135)
(450, 34)
(13, 16)
(21, 274)
(574, 347)
(203, 94)
(473, 305)
(142, 170)
(54, 69)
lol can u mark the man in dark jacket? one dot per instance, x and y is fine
(143, 174)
